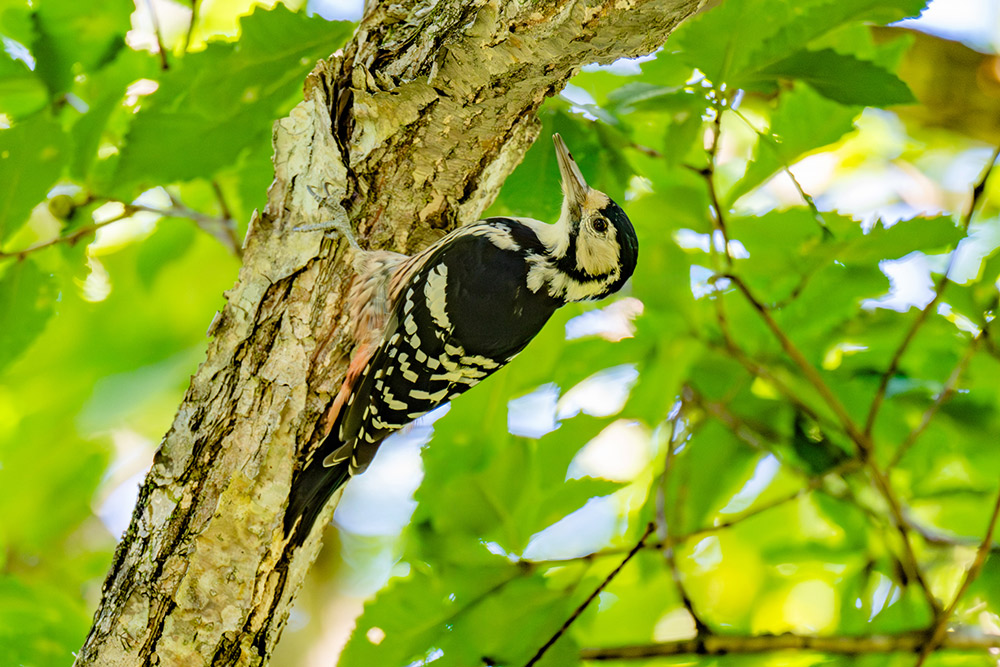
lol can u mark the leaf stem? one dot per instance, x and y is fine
(906, 642)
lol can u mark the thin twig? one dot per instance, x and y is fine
(942, 284)
(757, 437)
(810, 372)
(941, 622)
(906, 642)
(227, 220)
(947, 391)
(190, 29)
(664, 529)
(861, 440)
(178, 210)
(69, 239)
(590, 598)
(768, 141)
(719, 218)
(162, 52)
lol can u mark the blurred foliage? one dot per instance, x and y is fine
(792, 232)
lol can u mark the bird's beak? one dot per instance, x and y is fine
(574, 187)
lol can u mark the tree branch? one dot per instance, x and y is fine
(177, 210)
(977, 192)
(861, 440)
(722, 645)
(590, 598)
(663, 527)
(941, 623)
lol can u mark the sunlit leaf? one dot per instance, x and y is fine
(27, 301)
(31, 159)
(217, 103)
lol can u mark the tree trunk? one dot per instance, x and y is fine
(413, 127)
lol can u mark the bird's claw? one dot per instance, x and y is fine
(339, 224)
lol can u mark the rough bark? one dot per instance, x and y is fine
(414, 127)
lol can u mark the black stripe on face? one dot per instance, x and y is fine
(628, 244)
(568, 262)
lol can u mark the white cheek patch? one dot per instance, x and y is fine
(542, 274)
(597, 254)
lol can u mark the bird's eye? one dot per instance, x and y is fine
(600, 225)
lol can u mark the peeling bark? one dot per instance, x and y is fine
(414, 127)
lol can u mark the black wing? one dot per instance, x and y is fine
(464, 313)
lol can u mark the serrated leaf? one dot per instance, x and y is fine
(841, 78)
(803, 121)
(412, 615)
(929, 235)
(220, 102)
(742, 36)
(800, 23)
(27, 301)
(31, 159)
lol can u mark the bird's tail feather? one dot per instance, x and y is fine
(310, 492)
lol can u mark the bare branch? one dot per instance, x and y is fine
(722, 644)
(941, 622)
(177, 210)
(69, 239)
(861, 440)
(590, 598)
(947, 391)
(664, 528)
(977, 192)
(160, 49)
(195, 5)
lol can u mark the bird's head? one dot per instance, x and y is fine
(601, 247)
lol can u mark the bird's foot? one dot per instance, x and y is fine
(339, 224)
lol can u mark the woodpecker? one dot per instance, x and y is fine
(428, 327)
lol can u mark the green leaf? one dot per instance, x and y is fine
(27, 301)
(71, 32)
(21, 91)
(218, 103)
(103, 93)
(841, 78)
(416, 616)
(740, 37)
(803, 121)
(31, 159)
(40, 622)
(928, 235)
